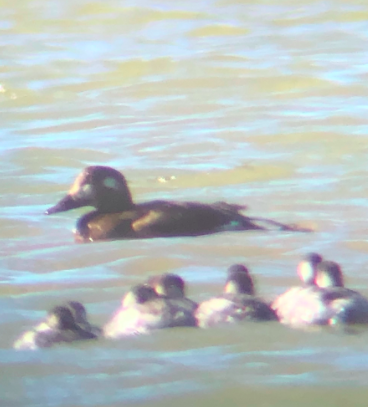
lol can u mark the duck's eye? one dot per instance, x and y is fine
(83, 192)
(86, 188)
(110, 183)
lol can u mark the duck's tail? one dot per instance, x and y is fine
(269, 224)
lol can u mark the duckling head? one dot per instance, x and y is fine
(329, 274)
(79, 312)
(239, 283)
(307, 268)
(60, 318)
(237, 268)
(169, 285)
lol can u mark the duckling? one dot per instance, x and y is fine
(343, 306)
(117, 217)
(327, 302)
(284, 305)
(143, 310)
(171, 286)
(235, 304)
(59, 326)
(80, 316)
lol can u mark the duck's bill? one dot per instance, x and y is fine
(66, 204)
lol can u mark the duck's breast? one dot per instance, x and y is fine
(139, 319)
(216, 311)
(302, 306)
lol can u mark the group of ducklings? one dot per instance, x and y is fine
(160, 302)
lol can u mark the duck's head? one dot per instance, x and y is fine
(329, 274)
(61, 318)
(169, 285)
(239, 283)
(237, 268)
(79, 312)
(101, 187)
(139, 294)
(307, 268)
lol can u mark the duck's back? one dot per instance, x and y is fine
(169, 218)
(143, 318)
(256, 309)
(137, 319)
(163, 219)
(321, 306)
(231, 308)
(218, 310)
(182, 312)
(346, 306)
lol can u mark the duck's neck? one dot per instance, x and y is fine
(306, 272)
(174, 292)
(116, 202)
(234, 288)
(326, 280)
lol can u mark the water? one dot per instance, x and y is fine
(258, 103)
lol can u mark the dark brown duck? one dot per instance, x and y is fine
(118, 217)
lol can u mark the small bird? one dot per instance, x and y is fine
(118, 217)
(142, 311)
(172, 287)
(80, 317)
(285, 304)
(344, 306)
(237, 302)
(59, 326)
(326, 302)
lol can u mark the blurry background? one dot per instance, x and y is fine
(261, 103)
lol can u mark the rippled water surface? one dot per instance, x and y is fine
(261, 103)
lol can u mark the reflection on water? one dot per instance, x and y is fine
(262, 104)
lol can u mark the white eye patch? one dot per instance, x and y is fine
(86, 188)
(110, 183)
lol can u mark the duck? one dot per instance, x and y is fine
(142, 311)
(237, 302)
(172, 287)
(343, 305)
(116, 216)
(325, 302)
(80, 317)
(59, 326)
(284, 305)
